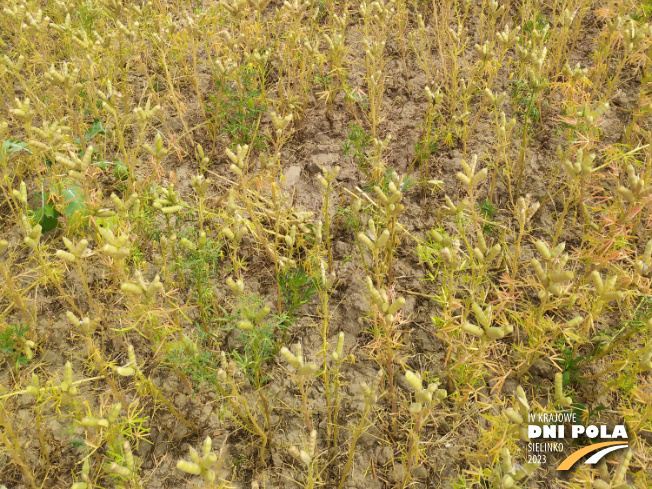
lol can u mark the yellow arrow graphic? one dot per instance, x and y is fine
(571, 459)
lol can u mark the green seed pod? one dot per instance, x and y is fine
(543, 249)
(473, 330)
(414, 380)
(89, 422)
(308, 369)
(64, 255)
(171, 209)
(189, 467)
(494, 251)
(396, 305)
(416, 408)
(245, 325)
(477, 254)
(366, 241)
(125, 371)
(131, 289)
(575, 322)
(382, 239)
(541, 274)
(186, 243)
(423, 396)
(597, 282)
(495, 333)
(513, 416)
(613, 296)
(228, 233)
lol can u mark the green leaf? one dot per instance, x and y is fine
(46, 216)
(94, 130)
(120, 171)
(73, 202)
(11, 146)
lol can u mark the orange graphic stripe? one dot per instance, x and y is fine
(571, 459)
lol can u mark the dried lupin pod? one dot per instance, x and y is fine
(482, 253)
(604, 288)
(23, 111)
(425, 398)
(303, 456)
(327, 279)
(85, 477)
(583, 163)
(74, 253)
(85, 325)
(337, 355)
(127, 470)
(52, 133)
(508, 474)
(372, 240)
(237, 158)
(297, 361)
(485, 52)
(123, 208)
(34, 388)
(144, 115)
(33, 233)
(157, 151)
(104, 423)
(554, 274)
(638, 188)
(560, 399)
(470, 178)
(485, 318)
(525, 209)
(496, 100)
(208, 465)
(236, 286)
(36, 23)
(519, 414)
(67, 386)
(644, 264)
(381, 299)
(280, 123)
(619, 479)
(237, 8)
(167, 201)
(115, 247)
(592, 115)
(139, 287)
(434, 98)
(65, 78)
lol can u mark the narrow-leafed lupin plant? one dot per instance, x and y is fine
(425, 401)
(519, 414)
(304, 373)
(487, 329)
(127, 468)
(209, 465)
(309, 459)
(508, 474)
(619, 478)
(560, 399)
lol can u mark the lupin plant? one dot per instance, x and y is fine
(425, 400)
(303, 374)
(208, 465)
(308, 458)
